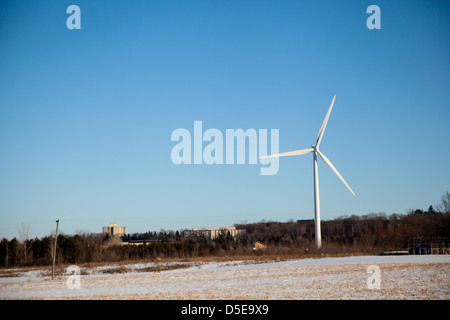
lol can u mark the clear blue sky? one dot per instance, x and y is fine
(86, 115)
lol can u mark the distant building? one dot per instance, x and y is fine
(114, 230)
(258, 245)
(229, 230)
(212, 233)
(209, 233)
(305, 221)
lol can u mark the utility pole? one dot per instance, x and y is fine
(54, 250)
(7, 258)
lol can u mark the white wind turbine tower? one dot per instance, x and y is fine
(315, 150)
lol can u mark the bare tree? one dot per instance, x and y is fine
(444, 206)
(24, 235)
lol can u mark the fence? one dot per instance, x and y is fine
(434, 245)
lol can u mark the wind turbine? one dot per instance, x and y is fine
(315, 150)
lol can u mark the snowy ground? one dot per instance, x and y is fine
(401, 277)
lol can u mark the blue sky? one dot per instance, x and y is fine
(86, 115)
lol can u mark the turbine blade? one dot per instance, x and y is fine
(328, 162)
(290, 153)
(324, 124)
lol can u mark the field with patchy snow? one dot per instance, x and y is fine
(401, 277)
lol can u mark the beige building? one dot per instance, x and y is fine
(114, 230)
(231, 230)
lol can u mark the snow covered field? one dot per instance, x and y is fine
(401, 277)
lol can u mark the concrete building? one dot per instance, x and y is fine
(212, 233)
(114, 230)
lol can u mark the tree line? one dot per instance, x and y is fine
(367, 234)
